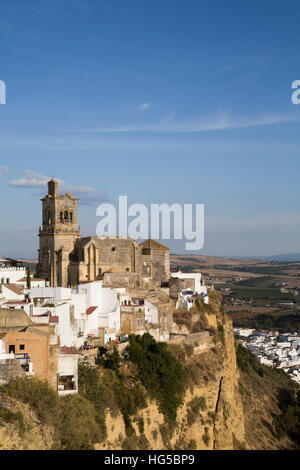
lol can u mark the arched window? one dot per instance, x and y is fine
(61, 216)
(66, 215)
(71, 216)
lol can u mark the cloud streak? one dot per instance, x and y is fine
(222, 121)
(32, 179)
(3, 169)
(144, 106)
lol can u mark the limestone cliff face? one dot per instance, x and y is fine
(25, 433)
(211, 416)
(228, 428)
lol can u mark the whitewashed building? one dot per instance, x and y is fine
(88, 310)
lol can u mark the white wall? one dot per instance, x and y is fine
(2, 347)
(35, 283)
(64, 329)
(195, 277)
(27, 307)
(80, 304)
(68, 365)
(107, 314)
(151, 312)
(93, 292)
(13, 274)
(10, 295)
(57, 293)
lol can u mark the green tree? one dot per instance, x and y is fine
(112, 361)
(28, 280)
(160, 372)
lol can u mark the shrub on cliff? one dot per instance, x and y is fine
(36, 394)
(98, 390)
(246, 361)
(288, 422)
(6, 416)
(72, 417)
(160, 372)
(112, 360)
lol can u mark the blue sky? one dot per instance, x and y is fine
(163, 101)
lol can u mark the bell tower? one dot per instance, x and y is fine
(58, 236)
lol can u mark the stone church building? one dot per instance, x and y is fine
(66, 259)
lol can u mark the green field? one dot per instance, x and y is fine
(288, 321)
(260, 293)
(264, 281)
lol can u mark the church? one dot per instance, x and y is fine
(66, 259)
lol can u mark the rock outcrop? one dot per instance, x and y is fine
(212, 415)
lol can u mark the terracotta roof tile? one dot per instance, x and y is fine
(16, 288)
(90, 310)
(53, 319)
(68, 350)
(153, 245)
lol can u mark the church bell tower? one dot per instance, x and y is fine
(57, 236)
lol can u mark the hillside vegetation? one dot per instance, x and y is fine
(271, 402)
(166, 396)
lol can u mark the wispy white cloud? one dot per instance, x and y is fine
(144, 106)
(32, 179)
(3, 169)
(222, 121)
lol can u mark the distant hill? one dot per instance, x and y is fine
(288, 257)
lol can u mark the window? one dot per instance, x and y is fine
(61, 216)
(22, 347)
(11, 349)
(71, 216)
(113, 248)
(66, 215)
(66, 382)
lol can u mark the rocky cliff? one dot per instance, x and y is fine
(212, 415)
(20, 428)
(223, 408)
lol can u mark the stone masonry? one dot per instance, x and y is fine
(65, 259)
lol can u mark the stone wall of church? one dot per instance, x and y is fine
(157, 264)
(98, 256)
(65, 259)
